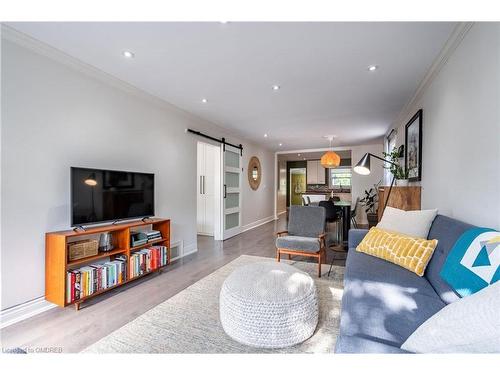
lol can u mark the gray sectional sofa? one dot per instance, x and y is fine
(383, 304)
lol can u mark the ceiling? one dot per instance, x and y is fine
(321, 68)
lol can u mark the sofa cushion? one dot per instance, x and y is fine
(354, 344)
(470, 325)
(384, 302)
(447, 231)
(474, 261)
(405, 251)
(307, 244)
(413, 223)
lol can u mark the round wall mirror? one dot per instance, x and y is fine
(254, 172)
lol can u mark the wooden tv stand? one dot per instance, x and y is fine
(57, 263)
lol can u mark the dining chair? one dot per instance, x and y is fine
(304, 202)
(333, 215)
(305, 235)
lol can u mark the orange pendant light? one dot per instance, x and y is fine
(330, 159)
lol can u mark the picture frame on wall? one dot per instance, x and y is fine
(413, 147)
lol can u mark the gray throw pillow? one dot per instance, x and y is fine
(469, 325)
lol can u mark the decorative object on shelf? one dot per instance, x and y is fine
(254, 172)
(370, 201)
(363, 167)
(413, 148)
(330, 159)
(82, 249)
(106, 242)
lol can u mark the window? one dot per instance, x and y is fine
(340, 177)
(390, 145)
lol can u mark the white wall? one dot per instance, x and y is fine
(461, 131)
(55, 116)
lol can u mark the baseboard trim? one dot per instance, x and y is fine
(281, 213)
(190, 249)
(24, 311)
(257, 223)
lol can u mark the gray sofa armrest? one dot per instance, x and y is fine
(355, 237)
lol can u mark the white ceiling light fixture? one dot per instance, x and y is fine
(372, 68)
(281, 144)
(276, 87)
(265, 135)
(204, 100)
(128, 54)
(298, 154)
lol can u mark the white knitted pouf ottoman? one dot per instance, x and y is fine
(269, 305)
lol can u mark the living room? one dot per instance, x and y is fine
(250, 187)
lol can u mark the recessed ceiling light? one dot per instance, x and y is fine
(276, 87)
(128, 54)
(298, 154)
(265, 135)
(372, 68)
(281, 144)
(204, 100)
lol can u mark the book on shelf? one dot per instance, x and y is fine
(87, 280)
(147, 260)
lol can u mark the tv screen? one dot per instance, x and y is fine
(99, 195)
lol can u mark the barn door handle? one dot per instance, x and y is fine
(225, 190)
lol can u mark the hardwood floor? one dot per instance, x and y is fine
(67, 330)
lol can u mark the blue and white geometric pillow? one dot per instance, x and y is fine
(474, 261)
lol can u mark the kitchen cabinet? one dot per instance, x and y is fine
(316, 173)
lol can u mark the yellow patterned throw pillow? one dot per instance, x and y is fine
(408, 252)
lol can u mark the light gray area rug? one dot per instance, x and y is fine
(189, 321)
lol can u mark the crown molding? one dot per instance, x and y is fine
(457, 36)
(12, 35)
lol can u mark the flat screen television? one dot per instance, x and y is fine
(99, 195)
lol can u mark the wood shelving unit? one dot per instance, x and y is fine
(57, 263)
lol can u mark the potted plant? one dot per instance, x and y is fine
(399, 172)
(369, 202)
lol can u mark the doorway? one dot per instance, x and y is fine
(297, 185)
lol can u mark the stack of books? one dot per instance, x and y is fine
(84, 281)
(147, 260)
(153, 235)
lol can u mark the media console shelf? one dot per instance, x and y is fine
(57, 263)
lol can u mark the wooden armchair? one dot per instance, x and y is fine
(305, 235)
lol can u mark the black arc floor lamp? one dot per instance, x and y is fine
(363, 168)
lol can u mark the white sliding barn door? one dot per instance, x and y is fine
(231, 208)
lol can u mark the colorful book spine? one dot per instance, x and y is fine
(91, 279)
